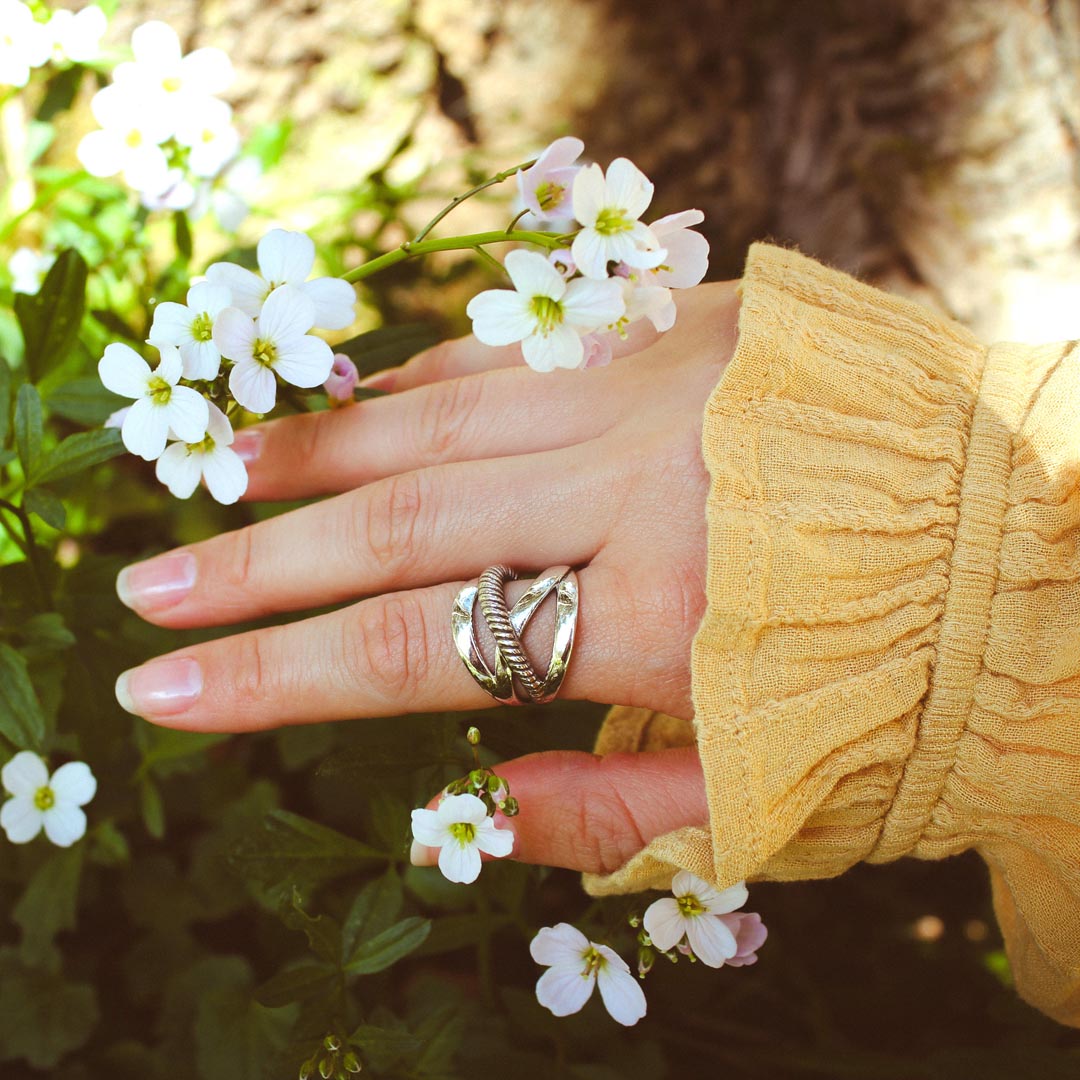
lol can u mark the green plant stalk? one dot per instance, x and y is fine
(457, 200)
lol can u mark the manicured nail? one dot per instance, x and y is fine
(157, 583)
(248, 444)
(419, 855)
(160, 688)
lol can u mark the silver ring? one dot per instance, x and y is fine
(512, 667)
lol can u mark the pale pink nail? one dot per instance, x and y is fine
(160, 688)
(248, 444)
(157, 583)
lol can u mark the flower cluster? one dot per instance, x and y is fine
(257, 325)
(567, 308)
(32, 36)
(40, 801)
(163, 126)
(697, 921)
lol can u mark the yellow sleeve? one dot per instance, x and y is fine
(889, 663)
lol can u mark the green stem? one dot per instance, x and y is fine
(16, 539)
(457, 200)
(32, 556)
(411, 249)
(510, 227)
(489, 259)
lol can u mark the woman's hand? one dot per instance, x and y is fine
(471, 459)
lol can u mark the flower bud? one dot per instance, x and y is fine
(351, 1062)
(645, 960)
(494, 783)
(478, 778)
(510, 807)
(332, 1043)
(634, 920)
(307, 1069)
(342, 380)
(473, 735)
(326, 1067)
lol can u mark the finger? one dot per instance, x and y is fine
(466, 356)
(386, 656)
(590, 813)
(407, 531)
(466, 419)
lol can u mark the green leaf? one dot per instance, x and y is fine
(384, 1047)
(322, 932)
(374, 910)
(378, 953)
(50, 319)
(5, 400)
(453, 932)
(166, 745)
(28, 426)
(296, 984)
(60, 92)
(44, 1015)
(289, 849)
(387, 347)
(182, 234)
(48, 905)
(46, 633)
(153, 810)
(85, 401)
(46, 505)
(78, 452)
(21, 720)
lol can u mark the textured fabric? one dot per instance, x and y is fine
(889, 663)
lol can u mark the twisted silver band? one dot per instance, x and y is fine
(511, 662)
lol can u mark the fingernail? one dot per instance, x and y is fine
(160, 688)
(419, 855)
(381, 380)
(157, 583)
(248, 444)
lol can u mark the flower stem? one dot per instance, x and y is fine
(412, 248)
(30, 549)
(457, 200)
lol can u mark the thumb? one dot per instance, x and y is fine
(590, 813)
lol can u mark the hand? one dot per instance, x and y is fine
(470, 460)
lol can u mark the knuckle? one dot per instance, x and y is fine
(444, 427)
(607, 830)
(251, 672)
(312, 443)
(237, 565)
(389, 521)
(432, 364)
(389, 646)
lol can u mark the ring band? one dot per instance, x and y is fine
(512, 667)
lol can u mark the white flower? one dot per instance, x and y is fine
(208, 131)
(286, 258)
(190, 327)
(160, 405)
(575, 965)
(76, 36)
(693, 911)
(169, 82)
(545, 187)
(28, 269)
(232, 195)
(277, 342)
(40, 801)
(460, 828)
(24, 43)
(645, 301)
(171, 190)
(131, 129)
(545, 313)
(183, 465)
(608, 208)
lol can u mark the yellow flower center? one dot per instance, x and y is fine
(264, 352)
(547, 312)
(44, 799)
(593, 961)
(691, 905)
(171, 84)
(612, 220)
(549, 194)
(463, 832)
(204, 447)
(202, 327)
(134, 138)
(160, 390)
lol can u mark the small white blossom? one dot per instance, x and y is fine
(460, 828)
(183, 465)
(160, 405)
(547, 314)
(190, 327)
(576, 965)
(39, 801)
(608, 208)
(277, 343)
(644, 301)
(76, 36)
(24, 43)
(287, 258)
(132, 130)
(209, 133)
(28, 269)
(545, 186)
(693, 912)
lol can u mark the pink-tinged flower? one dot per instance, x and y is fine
(608, 207)
(687, 258)
(545, 186)
(545, 313)
(277, 343)
(563, 261)
(575, 966)
(693, 912)
(461, 829)
(750, 934)
(183, 465)
(597, 350)
(644, 301)
(343, 380)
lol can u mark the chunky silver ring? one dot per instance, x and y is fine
(512, 667)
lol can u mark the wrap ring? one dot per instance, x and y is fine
(512, 668)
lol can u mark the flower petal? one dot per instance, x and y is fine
(226, 475)
(101, 153)
(565, 988)
(533, 275)
(588, 305)
(664, 923)
(123, 371)
(286, 257)
(591, 254)
(74, 783)
(24, 774)
(304, 361)
(179, 470)
(560, 347)
(234, 334)
(172, 324)
(627, 188)
(188, 414)
(750, 934)
(155, 44)
(145, 429)
(717, 902)
(561, 944)
(455, 808)
(560, 153)
(170, 366)
(500, 317)
(201, 359)
(711, 940)
(253, 386)
(208, 297)
(588, 195)
(672, 223)
(64, 824)
(428, 828)
(20, 819)
(248, 289)
(494, 841)
(459, 862)
(218, 426)
(334, 300)
(208, 69)
(287, 313)
(621, 993)
(687, 259)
